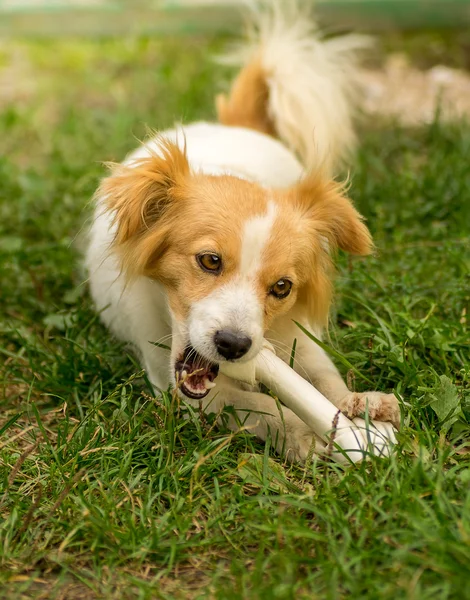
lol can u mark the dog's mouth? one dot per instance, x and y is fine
(194, 374)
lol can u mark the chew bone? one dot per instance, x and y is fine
(353, 440)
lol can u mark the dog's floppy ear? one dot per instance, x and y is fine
(332, 214)
(140, 194)
(331, 222)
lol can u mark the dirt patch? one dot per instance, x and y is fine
(184, 584)
(22, 587)
(412, 96)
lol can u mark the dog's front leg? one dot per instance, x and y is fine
(313, 364)
(157, 367)
(261, 415)
(323, 374)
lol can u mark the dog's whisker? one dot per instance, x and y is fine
(162, 340)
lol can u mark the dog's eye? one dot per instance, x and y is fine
(281, 289)
(210, 262)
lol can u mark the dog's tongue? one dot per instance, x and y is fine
(195, 375)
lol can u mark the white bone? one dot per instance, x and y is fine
(353, 440)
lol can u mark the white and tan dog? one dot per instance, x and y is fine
(213, 237)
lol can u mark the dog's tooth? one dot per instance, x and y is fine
(184, 374)
(209, 384)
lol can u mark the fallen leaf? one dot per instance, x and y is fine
(445, 402)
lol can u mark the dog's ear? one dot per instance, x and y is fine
(141, 191)
(140, 195)
(330, 222)
(329, 211)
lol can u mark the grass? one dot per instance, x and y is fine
(106, 491)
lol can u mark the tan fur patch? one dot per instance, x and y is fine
(247, 103)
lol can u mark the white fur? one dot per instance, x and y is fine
(312, 82)
(235, 307)
(256, 234)
(220, 150)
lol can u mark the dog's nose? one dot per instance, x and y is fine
(231, 345)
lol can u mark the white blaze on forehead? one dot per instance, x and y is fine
(256, 234)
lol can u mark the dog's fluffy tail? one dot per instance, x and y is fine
(294, 84)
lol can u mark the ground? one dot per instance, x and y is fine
(105, 490)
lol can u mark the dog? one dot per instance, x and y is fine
(215, 237)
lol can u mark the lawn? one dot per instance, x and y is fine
(105, 490)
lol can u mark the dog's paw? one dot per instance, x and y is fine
(301, 445)
(380, 406)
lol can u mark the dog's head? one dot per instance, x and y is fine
(232, 255)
